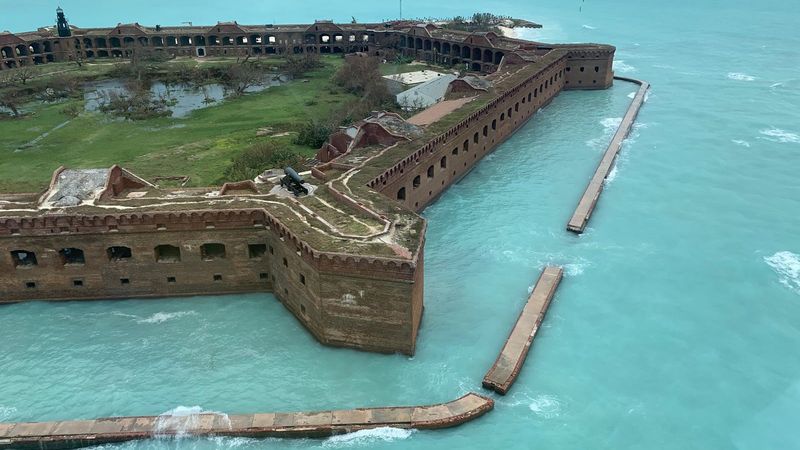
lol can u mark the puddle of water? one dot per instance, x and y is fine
(183, 98)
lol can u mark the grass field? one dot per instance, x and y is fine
(200, 146)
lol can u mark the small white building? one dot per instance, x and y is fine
(425, 94)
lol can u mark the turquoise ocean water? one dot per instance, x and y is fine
(677, 325)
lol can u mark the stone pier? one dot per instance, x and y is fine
(588, 202)
(506, 368)
(72, 434)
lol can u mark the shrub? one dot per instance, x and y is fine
(314, 133)
(262, 156)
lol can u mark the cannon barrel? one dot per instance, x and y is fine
(293, 175)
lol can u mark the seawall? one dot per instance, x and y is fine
(588, 202)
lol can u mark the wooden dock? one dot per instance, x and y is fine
(83, 433)
(592, 193)
(506, 368)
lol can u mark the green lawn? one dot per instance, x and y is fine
(200, 146)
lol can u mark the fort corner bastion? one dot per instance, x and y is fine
(347, 259)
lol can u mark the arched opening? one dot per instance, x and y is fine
(498, 57)
(100, 43)
(241, 40)
(213, 40)
(475, 138)
(487, 56)
(21, 50)
(418, 44)
(401, 193)
(226, 40)
(200, 40)
(201, 52)
(417, 181)
(48, 46)
(23, 258)
(255, 39)
(443, 162)
(403, 41)
(271, 40)
(437, 47)
(211, 252)
(72, 256)
(476, 67)
(128, 41)
(427, 44)
(87, 43)
(310, 39)
(102, 54)
(466, 52)
(324, 39)
(89, 54)
(116, 53)
(446, 48)
(456, 50)
(157, 41)
(172, 41)
(485, 130)
(167, 254)
(430, 171)
(476, 54)
(118, 253)
(115, 43)
(142, 41)
(185, 41)
(465, 146)
(36, 48)
(7, 52)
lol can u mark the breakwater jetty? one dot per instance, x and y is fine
(506, 368)
(590, 196)
(72, 434)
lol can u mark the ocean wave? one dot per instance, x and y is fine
(620, 66)
(161, 317)
(632, 95)
(610, 125)
(611, 175)
(738, 76)
(183, 419)
(787, 265)
(741, 142)
(588, 27)
(546, 406)
(778, 135)
(366, 437)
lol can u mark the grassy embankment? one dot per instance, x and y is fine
(200, 146)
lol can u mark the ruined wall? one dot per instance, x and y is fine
(365, 303)
(418, 179)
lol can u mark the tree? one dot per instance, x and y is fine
(297, 65)
(23, 74)
(12, 99)
(240, 77)
(262, 156)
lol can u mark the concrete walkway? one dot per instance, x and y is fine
(589, 200)
(83, 433)
(506, 368)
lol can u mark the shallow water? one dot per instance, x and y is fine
(183, 98)
(678, 322)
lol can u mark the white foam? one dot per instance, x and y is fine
(611, 175)
(741, 142)
(161, 317)
(574, 269)
(787, 265)
(6, 412)
(632, 95)
(384, 434)
(621, 66)
(182, 420)
(737, 76)
(778, 135)
(588, 27)
(611, 123)
(546, 406)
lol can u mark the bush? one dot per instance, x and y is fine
(260, 157)
(72, 110)
(314, 133)
(299, 65)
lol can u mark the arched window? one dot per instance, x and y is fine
(430, 172)
(118, 253)
(401, 194)
(23, 258)
(211, 252)
(72, 256)
(475, 138)
(417, 182)
(443, 162)
(167, 254)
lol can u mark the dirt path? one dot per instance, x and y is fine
(437, 111)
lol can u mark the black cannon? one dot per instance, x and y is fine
(293, 182)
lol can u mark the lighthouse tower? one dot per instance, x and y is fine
(61, 23)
